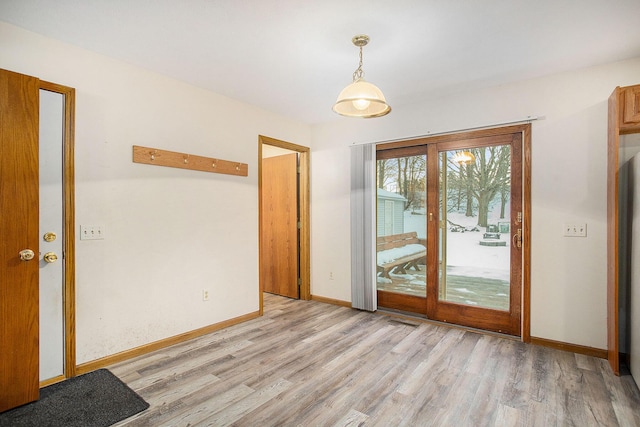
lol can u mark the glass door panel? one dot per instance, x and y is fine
(475, 268)
(475, 234)
(402, 229)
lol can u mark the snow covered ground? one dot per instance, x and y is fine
(480, 272)
(465, 256)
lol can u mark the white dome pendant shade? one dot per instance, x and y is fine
(361, 98)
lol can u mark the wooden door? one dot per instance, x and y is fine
(19, 328)
(279, 216)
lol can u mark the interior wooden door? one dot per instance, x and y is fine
(19, 323)
(279, 258)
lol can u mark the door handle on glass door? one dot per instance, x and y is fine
(517, 238)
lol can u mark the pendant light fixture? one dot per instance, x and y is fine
(361, 98)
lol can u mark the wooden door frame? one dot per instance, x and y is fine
(305, 261)
(525, 129)
(69, 293)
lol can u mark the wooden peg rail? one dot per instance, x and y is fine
(154, 156)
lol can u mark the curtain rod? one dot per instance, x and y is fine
(529, 119)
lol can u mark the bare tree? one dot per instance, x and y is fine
(382, 172)
(460, 180)
(504, 198)
(483, 179)
(411, 177)
(492, 171)
(404, 176)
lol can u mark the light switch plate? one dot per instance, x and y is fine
(575, 230)
(91, 232)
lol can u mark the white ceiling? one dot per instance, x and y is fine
(294, 56)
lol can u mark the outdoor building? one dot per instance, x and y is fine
(390, 213)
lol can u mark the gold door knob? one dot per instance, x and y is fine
(26, 254)
(49, 236)
(50, 257)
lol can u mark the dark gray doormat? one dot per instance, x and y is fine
(96, 399)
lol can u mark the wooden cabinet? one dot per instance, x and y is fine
(630, 109)
(624, 118)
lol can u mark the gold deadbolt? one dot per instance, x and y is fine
(49, 236)
(50, 257)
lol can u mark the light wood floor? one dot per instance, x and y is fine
(306, 363)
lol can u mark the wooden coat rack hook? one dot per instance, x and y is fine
(174, 159)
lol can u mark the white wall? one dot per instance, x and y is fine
(568, 283)
(170, 233)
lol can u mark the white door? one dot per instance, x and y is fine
(51, 235)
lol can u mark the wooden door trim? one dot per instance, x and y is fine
(526, 233)
(305, 223)
(69, 94)
(402, 302)
(455, 136)
(613, 147)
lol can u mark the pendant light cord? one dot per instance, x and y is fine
(359, 73)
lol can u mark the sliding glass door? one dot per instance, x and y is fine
(450, 229)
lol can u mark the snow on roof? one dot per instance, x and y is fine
(384, 194)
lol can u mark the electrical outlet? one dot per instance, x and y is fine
(91, 232)
(575, 230)
(205, 295)
(331, 275)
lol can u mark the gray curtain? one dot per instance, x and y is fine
(363, 227)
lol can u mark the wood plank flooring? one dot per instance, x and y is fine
(306, 363)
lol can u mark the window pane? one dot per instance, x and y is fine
(475, 236)
(402, 225)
